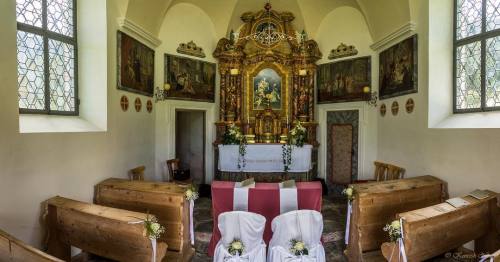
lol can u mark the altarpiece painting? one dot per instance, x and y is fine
(267, 90)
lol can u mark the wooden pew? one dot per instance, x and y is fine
(99, 230)
(12, 249)
(164, 200)
(378, 203)
(435, 230)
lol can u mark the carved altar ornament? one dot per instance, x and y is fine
(343, 51)
(191, 49)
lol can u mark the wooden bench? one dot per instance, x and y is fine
(435, 230)
(378, 203)
(164, 200)
(99, 230)
(12, 249)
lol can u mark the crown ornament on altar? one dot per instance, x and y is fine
(343, 50)
(191, 49)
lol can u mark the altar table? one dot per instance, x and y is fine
(264, 199)
(264, 158)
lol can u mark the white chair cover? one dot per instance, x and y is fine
(303, 225)
(247, 227)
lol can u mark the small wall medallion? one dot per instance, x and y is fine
(395, 108)
(190, 49)
(138, 104)
(383, 110)
(149, 106)
(124, 103)
(410, 105)
(343, 51)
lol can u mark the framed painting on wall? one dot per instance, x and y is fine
(398, 69)
(136, 72)
(344, 81)
(190, 79)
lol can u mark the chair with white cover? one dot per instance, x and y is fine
(301, 225)
(249, 229)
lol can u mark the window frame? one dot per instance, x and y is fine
(481, 37)
(46, 34)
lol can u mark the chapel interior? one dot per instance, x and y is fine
(250, 130)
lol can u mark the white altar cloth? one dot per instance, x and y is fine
(266, 158)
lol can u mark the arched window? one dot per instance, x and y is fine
(47, 56)
(477, 56)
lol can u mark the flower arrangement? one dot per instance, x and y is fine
(394, 230)
(233, 136)
(236, 247)
(298, 248)
(152, 229)
(298, 135)
(349, 193)
(191, 193)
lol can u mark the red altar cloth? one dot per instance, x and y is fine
(264, 199)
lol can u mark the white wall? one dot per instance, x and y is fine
(465, 158)
(35, 167)
(347, 25)
(184, 22)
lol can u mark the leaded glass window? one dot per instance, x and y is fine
(47, 56)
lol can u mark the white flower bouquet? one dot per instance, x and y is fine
(152, 229)
(191, 193)
(298, 248)
(236, 247)
(298, 135)
(394, 230)
(349, 192)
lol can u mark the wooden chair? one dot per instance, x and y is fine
(384, 172)
(137, 173)
(173, 166)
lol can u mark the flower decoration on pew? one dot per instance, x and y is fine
(233, 136)
(236, 247)
(394, 230)
(298, 248)
(152, 229)
(349, 193)
(191, 193)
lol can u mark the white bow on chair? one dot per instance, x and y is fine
(258, 251)
(281, 254)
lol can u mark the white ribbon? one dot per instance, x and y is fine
(244, 257)
(240, 199)
(490, 258)
(288, 200)
(348, 221)
(153, 241)
(401, 242)
(286, 256)
(191, 220)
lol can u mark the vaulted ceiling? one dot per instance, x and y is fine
(382, 16)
